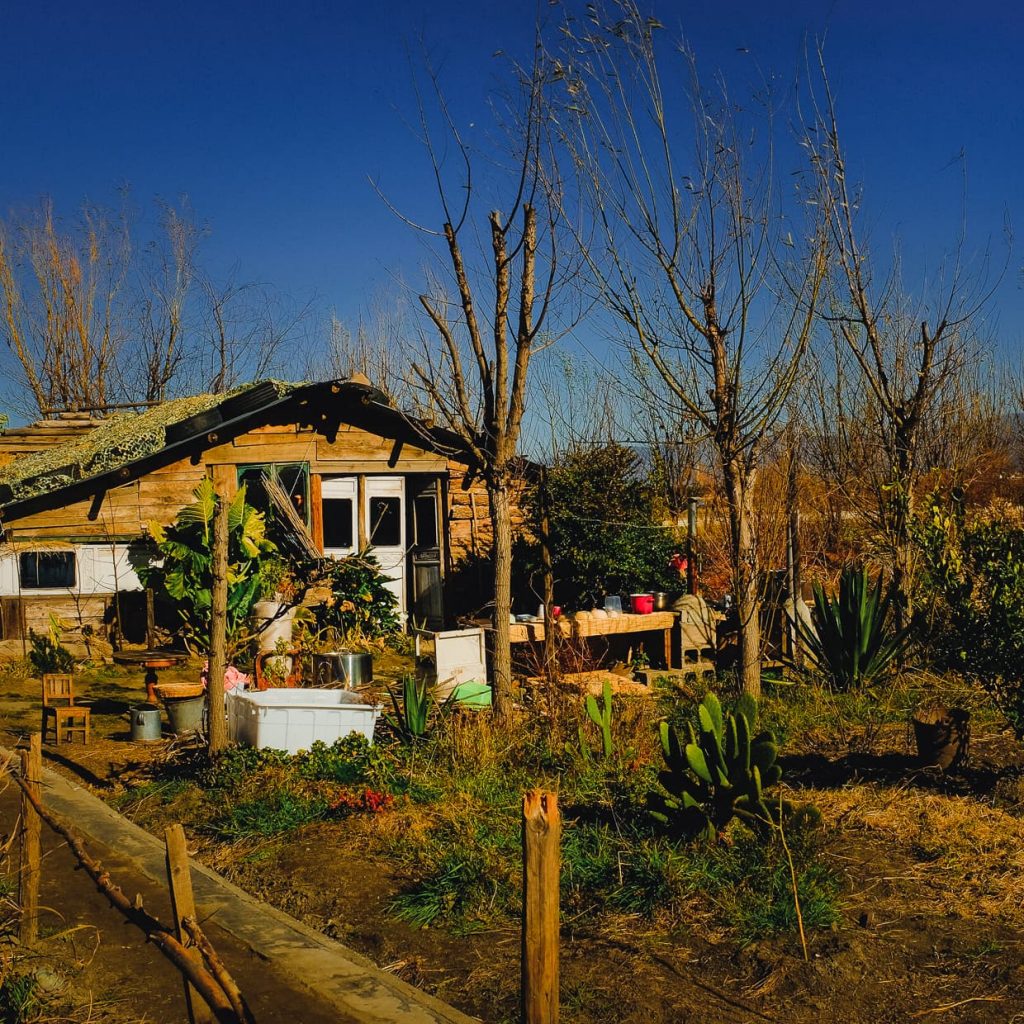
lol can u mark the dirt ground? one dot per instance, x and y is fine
(97, 968)
(932, 906)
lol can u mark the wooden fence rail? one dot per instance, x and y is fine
(201, 969)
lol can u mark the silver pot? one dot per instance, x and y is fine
(350, 668)
(662, 601)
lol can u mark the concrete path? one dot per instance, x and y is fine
(343, 979)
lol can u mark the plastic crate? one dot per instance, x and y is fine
(294, 719)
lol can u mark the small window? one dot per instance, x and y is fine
(338, 522)
(386, 522)
(426, 521)
(292, 477)
(45, 570)
(294, 481)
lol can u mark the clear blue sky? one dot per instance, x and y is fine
(271, 116)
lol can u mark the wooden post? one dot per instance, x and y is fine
(179, 881)
(542, 830)
(28, 875)
(218, 733)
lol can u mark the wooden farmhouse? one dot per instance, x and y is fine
(77, 492)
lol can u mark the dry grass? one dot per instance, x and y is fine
(955, 853)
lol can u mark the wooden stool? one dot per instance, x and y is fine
(59, 706)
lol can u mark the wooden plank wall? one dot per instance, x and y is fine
(126, 510)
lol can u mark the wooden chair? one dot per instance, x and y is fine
(59, 706)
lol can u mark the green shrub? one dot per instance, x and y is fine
(47, 654)
(854, 641)
(350, 760)
(411, 719)
(18, 999)
(270, 815)
(605, 531)
(180, 565)
(359, 602)
(602, 718)
(974, 572)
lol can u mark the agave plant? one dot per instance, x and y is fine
(854, 641)
(411, 718)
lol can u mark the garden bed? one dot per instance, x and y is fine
(911, 889)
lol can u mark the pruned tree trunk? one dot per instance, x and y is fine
(475, 378)
(218, 738)
(501, 548)
(738, 484)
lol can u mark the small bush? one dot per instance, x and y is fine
(269, 792)
(854, 641)
(18, 999)
(271, 815)
(974, 576)
(453, 888)
(47, 654)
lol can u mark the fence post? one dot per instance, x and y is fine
(542, 830)
(179, 880)
(31, 826)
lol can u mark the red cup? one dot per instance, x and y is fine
(556, 610)
(642, 604)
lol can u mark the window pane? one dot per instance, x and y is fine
(252, 477)
(426, 521)
(294, 480)
(338, 520)
(386, 522)
(41, 570)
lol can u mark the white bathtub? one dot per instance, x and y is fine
(294, 719)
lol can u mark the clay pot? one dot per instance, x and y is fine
(942, 735)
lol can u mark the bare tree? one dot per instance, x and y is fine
(687, 256)
(487, 319)
(898, 356)
(166, 277)
(369, 349)
(63, 311)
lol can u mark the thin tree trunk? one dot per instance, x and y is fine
(550, 666)
(901, 510)
(748, 605)
(218, 630)
(501, 548)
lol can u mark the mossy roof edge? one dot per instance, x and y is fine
(121, 440)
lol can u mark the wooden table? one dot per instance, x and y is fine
(613, 625)
(150, 661)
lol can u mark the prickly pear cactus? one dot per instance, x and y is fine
(722, 772)
(602, 718)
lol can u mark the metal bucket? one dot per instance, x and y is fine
(146, 725)
(350, 668)
(185, 713)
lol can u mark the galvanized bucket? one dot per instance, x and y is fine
(185, 713)
(146, 725)
(350, 668)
